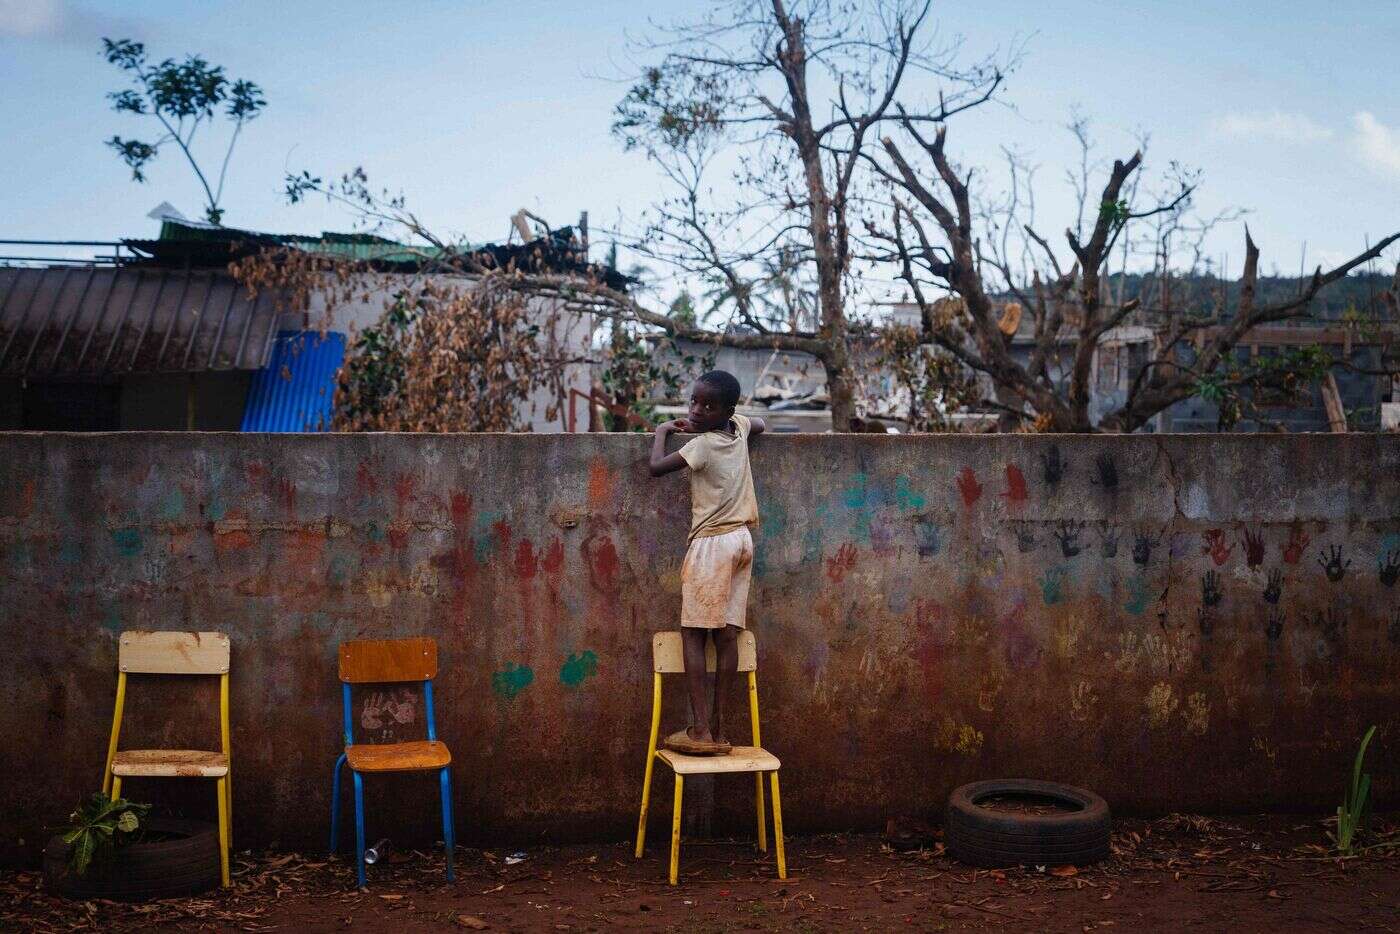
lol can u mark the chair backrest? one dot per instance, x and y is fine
(173, 653)
(376, 661)
(168, 653)
(668, 658)
(380, 661)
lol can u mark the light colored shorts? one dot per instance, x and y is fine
(715, 580)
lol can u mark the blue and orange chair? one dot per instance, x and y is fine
(388, 661)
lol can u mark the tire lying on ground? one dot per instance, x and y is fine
(1060, 825)
(182, 859)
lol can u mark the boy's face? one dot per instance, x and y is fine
(707, 409)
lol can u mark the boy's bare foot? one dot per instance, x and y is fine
(717, 740)
(684, 743)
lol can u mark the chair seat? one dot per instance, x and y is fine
(739, 759)
(170, 763)
(398, 757)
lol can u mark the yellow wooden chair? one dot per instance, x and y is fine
(174, 653)
(667, 659)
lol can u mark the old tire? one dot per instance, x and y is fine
(185, 863)
(980, 836)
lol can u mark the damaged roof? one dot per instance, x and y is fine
(176, 308)
(198, 245)
(67, 321)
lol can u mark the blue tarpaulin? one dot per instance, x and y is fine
(294, 392)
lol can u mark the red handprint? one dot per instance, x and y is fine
(1215, 546)
(526, 562)
(1297, 541)
(554, 557)
(1015, 485)
(841, 562)
(968, 486)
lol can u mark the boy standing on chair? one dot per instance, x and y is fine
(719, 560)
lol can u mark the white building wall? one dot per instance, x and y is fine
(568, 335)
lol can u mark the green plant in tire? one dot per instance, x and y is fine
(1351, 814)
(99, 826)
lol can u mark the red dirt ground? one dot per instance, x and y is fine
(1177, 873)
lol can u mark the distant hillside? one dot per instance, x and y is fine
(1359, 292)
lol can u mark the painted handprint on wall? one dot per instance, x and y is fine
(1213, 543)
(1107, 472)
(1052, 583)
(1388, 568)
(1137, 595)
(1331, 622)
(1015, 485)
(383, 710)
(1108, 540)
(968, 486)
(1067, 533)
(1054, 466)
(1253, 548)
(1210, 589)
(841, 562)
(1297, 541)
(1333, 566)
(928, 538)
(1142, 548)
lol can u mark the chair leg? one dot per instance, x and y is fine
(335, 802)
(222, 791)
(116, 787)
(762, 817)
(646, 800)
(228, 794)
(359, 827)
(447, 835)
(676, 830)
(778, 828)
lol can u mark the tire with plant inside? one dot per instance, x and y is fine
(184, 862)
(1076, 834)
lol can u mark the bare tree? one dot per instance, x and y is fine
(941, 240)
(788, 97)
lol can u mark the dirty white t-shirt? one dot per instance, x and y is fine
(721, 486)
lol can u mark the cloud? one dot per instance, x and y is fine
(1377, 144)
(1275, 126)
(59, 21)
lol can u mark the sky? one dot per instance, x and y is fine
(473, 110)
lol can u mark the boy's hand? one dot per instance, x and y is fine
(661, 462)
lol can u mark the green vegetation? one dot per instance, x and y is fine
(100, 825)
(1351, 814)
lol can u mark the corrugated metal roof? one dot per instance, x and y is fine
(296, 389)
(203, 246)
(353, 246)
(68, 321)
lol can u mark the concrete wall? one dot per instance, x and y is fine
(1151, 616)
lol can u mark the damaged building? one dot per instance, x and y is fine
(158, 335)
